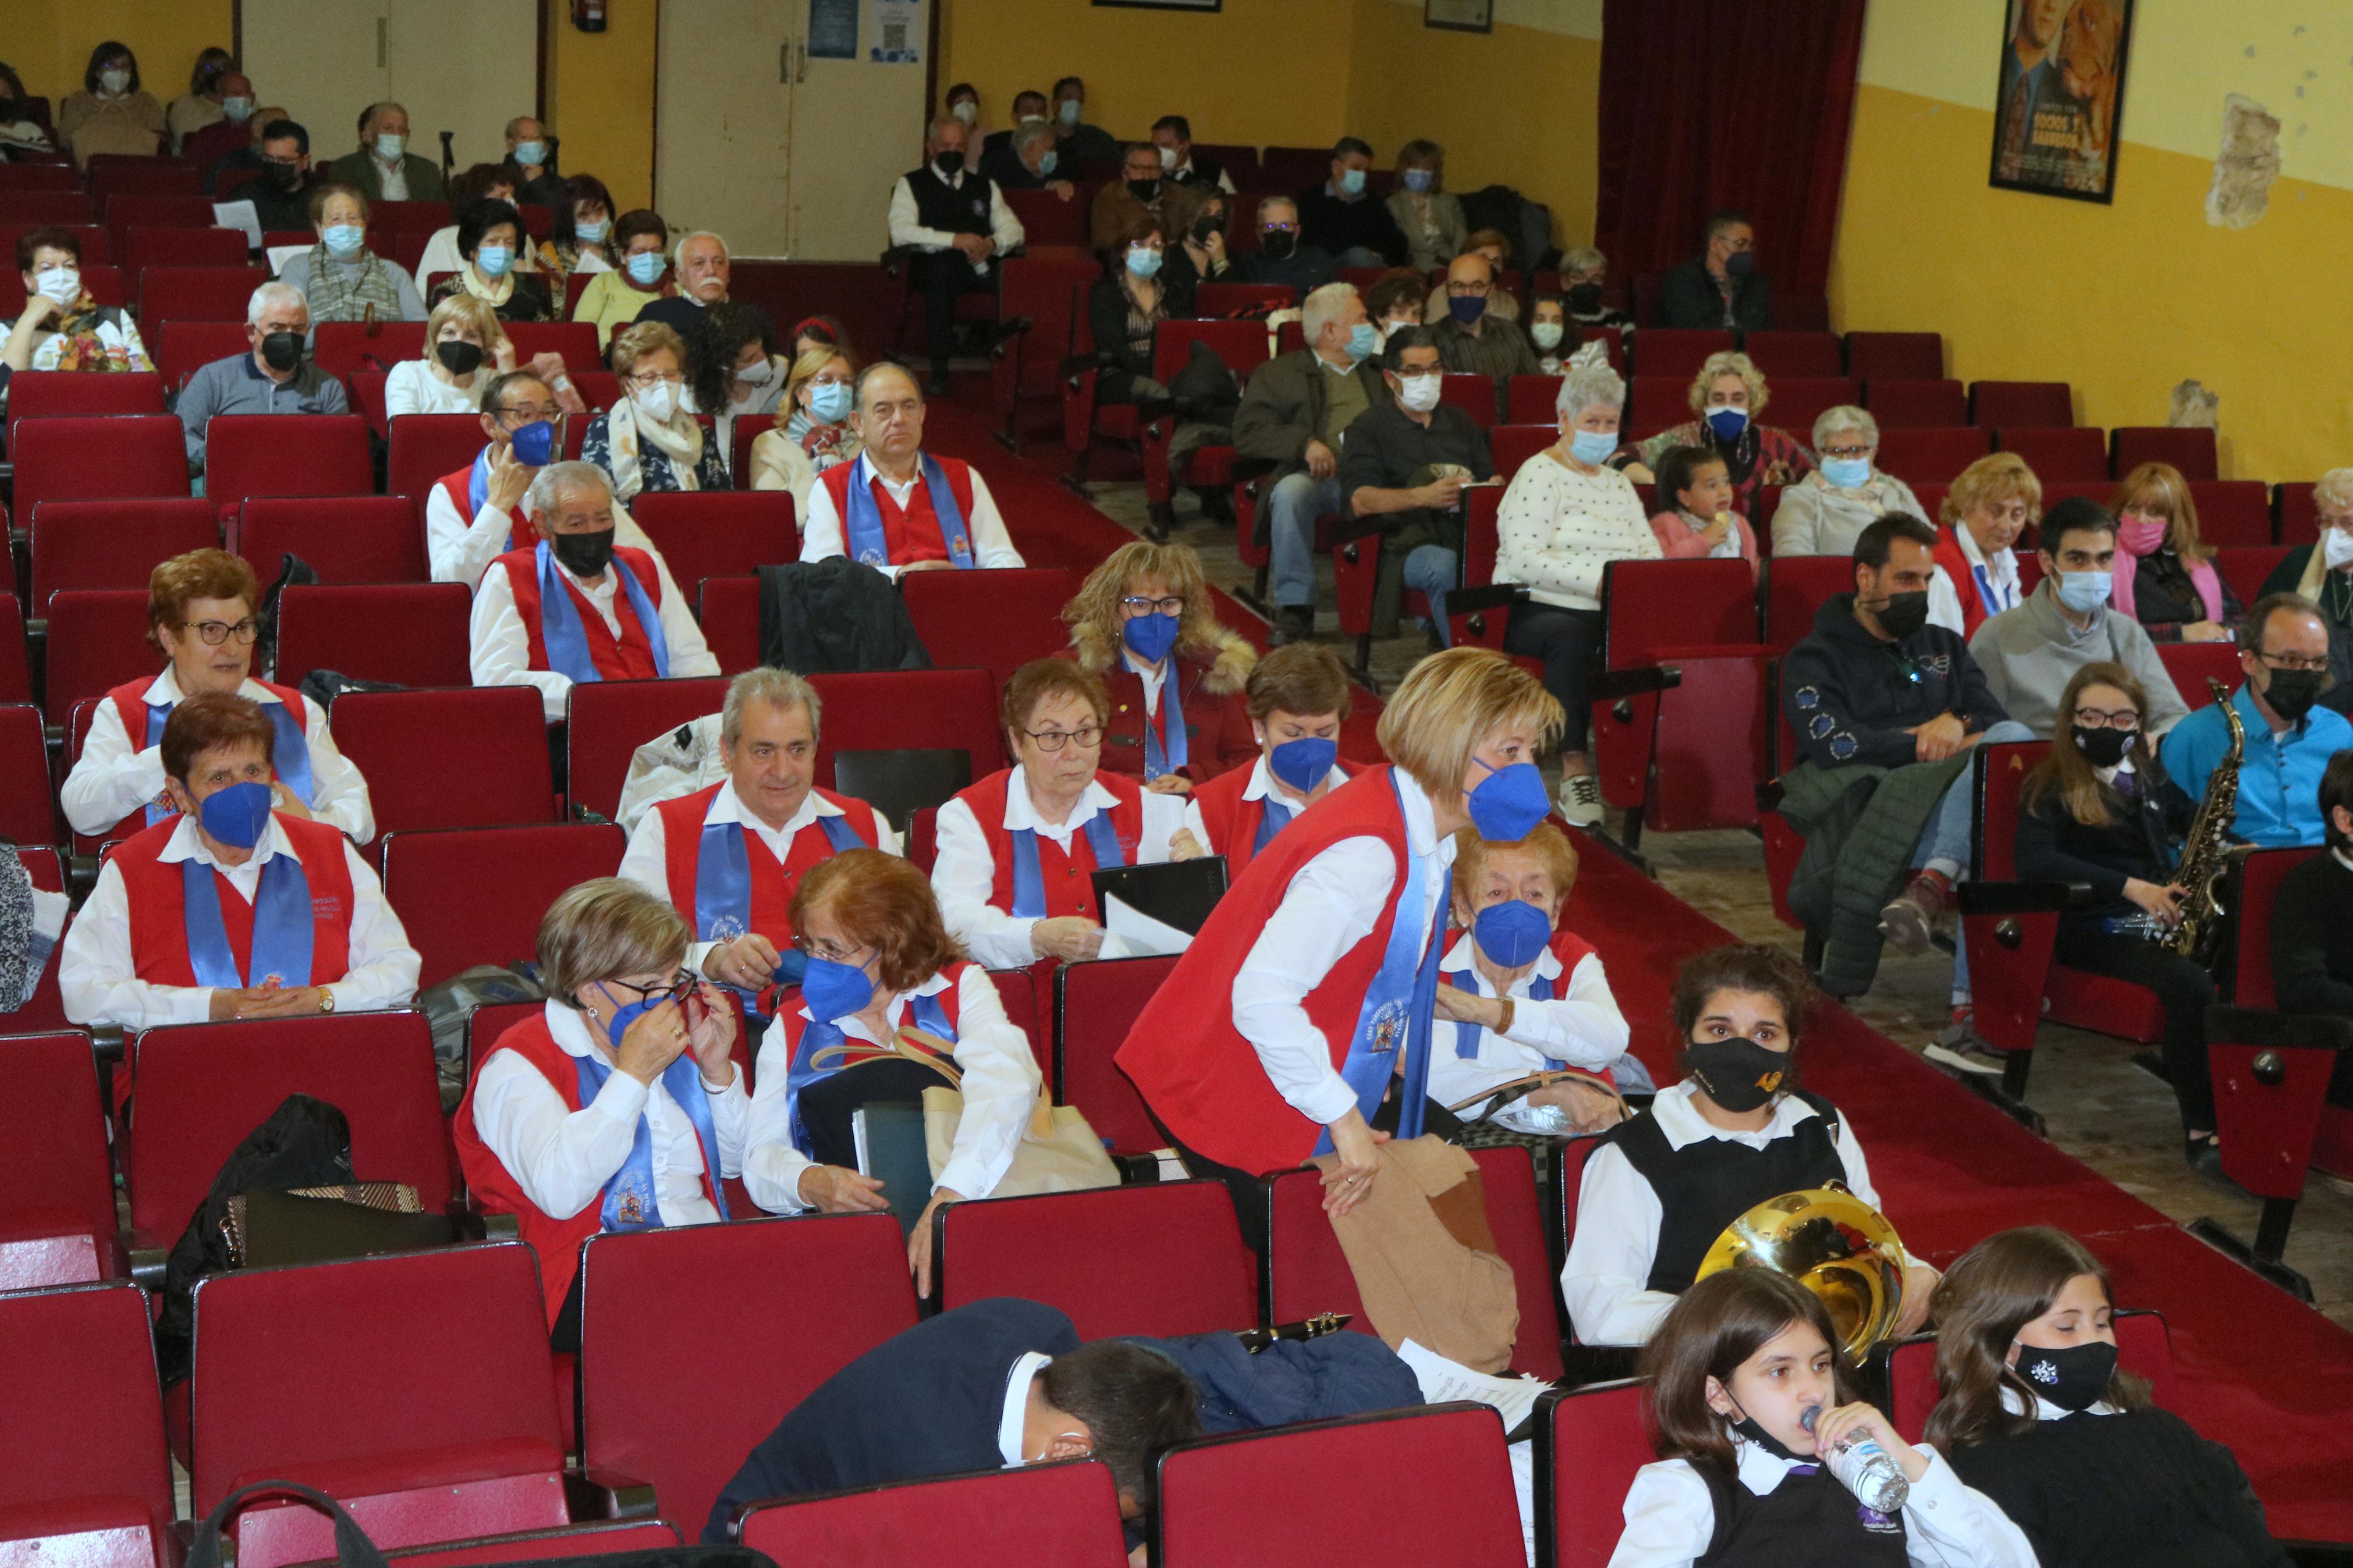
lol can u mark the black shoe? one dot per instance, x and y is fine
(1159, 521)
(1292, 622)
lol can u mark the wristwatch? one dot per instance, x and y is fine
(326, 1000)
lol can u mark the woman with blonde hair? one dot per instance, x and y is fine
(1726, 396)
(1309, 991)
(813, 430)
(2173, 589)
(648, 441)
(465, 347)
(1985, 510)
(1144, 622)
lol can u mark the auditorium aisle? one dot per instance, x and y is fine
(2257, 1369)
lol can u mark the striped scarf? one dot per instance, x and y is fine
(335, 295)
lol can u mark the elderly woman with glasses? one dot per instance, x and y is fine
(200, 617)
(1016, 850)
(888, 1007)
(1825, 512)
(619, 1106)
(1144, 623)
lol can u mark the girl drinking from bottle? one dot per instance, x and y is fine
(2038, 1415)
(1759, 1439)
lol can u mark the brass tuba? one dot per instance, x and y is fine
(1832, 1243)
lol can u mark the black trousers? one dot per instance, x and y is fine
(944, 277)
(1568, 641)
(2185, 990)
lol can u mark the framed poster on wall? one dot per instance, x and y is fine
(2061, 98)
(1459, 15)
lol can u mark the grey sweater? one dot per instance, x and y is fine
(238, 387)
(2030, 654)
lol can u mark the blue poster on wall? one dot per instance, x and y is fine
(833, 29)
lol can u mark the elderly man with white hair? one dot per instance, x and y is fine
(2322, 571)
(1825, 512)
(700, 264)
(274, 378)
(1291, 414)
(958, 228)
(576, 606)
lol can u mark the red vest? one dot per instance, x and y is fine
(157, 898)
(1066, 877)
(1566, 946)
(951, 1001)
(772, 882)
(130, 700)
(460, 487)
(1199, 1073)
(1232, 821)
(912, 534)
(1948, 555)
(629, 659)
(1218, 740)
(557, 1241)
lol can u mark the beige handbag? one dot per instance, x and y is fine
(1059, 1152)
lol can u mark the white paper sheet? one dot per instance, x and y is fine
(1140, 932)
(241, 216)
(1444, 1381)
(281, 254)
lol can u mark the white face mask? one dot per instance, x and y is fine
(762, 374)
(1420, 393)
(2336, 543)
(1168, 158)
(966, 110)
(659, 401)
(114, 80)
(63, 284)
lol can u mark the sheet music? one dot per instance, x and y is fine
(280, 255)
(1444, 1381)
(239, 216)
(1140, 932)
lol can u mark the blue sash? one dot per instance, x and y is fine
(559, 620)
(477, 486)
(723, 887)
(630, 1201)
(289, 754)
(1986, 595)
(1466, 1034)
(1396, 1010)
(862, 526)
(1160, 758)
(1030, 881)
(821, 1039)
(281, 925)
(1273, 818)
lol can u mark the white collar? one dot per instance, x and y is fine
(2342, 859)
(2003, 564)
(1025, 1371)
(954, 181)
(1461, 959)
(166, 689)
(601, 587)
(1420, 823)
(938, 982)
(2015, 1402)
(1682, 1125)
(568, 1026)
(2109, 775)
(1262, 783)
(186, 844)
(864, 471)
(728, 807)
(1021, 813)
(1760, 1469)
(1350, 369)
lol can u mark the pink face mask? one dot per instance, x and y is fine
(2143, 537)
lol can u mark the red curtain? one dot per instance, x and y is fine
(1707, 104)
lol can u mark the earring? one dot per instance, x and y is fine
(594, 1014)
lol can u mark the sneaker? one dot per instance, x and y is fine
(1580, 799)
(1908, 921)
(1963, 1049)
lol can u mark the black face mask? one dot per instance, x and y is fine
(1738, 1073)
(1585, 299)
(1904, 614)
(947, 163)
(285, 176)
(459, 357)
(1145, 190)
(1204, 228)
(2103, 747)
(1279, 244)
(281, 352)
(1747, 1427)
(583, 554)
(2293, 692)
(2076, 1378)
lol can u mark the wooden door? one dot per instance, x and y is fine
(324, 61)
(724, 110)
(466, 67)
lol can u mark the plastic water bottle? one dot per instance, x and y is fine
(1864, 1469)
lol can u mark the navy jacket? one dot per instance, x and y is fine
(1849, 696)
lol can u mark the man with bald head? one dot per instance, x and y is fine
(955, 227)
(896, 507)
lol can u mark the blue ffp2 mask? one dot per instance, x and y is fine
(237, 814)
(1508, 803)
(1511, 933)
(832, 990)
(1304, 763)
(1151, 636)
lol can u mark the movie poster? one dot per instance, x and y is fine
(2061, 101)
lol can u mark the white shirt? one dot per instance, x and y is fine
(1016, 1405)
(1334, 901)
(1945, 595)
(1557, 530)
(392, 179)
(907, 223)
(964, 874)
(1001, 1089)
(822, 534)
(115, 778)
(502, 643)
(1262, 784)
(647, 861)
(98, 984)
(1605, 1280)
(1581, 1025)
(562, 1158)
(412, 388)
(458, 551)
(1225, 181)
(441, 255)
(1670, 1516)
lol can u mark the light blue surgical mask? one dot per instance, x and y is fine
(1070, 109)
(593, 232)
(1847, 473)
(530, 155)
(493, 260)
(646, 267)
(1352, 181)
(2083, 592)
(1419, 180)
(831, 401)
(1592, 447)
(343, 240)
(389, 147)
(1363, 341)
(1142, 260)
(1046, 164)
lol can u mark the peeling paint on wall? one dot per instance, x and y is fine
(2249, 162)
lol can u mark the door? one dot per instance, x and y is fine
(323, 59)
(858, 125)
(723, 94)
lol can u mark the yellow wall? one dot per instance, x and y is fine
(48, 41)
(2123, 300)
(608, 79)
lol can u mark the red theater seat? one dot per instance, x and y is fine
(27, 814)
(198, 293)
(15, 664)
(345, 539)
(97, 641)
(1915, 404)
(343, 347)
(99, 458)
(1161, 1259)
(1532, 400)
(181, 348)
(607, 721)
(719, 534)
(1241, 345)
(56, 1216)
(574, 340)
(998, 621)
(1095, 1004)
(98, 544)
(1655, 403)
(1796, 588)
(1064, 1514)
(479, 893)
(1798, 401)
(1048, 219)
(1903, 357)
(729, 609)
(145, 247)
(413, 634)
(603, 1538)
(1784, 354)
(88, 1481)
(1677, 351)
(2021, 405)
(876, 710)
(2193, 664)
(53, 394)
(2232, 512)
(1474, 395)
(2062, 454)
(32, 209)
(1037, 297)
(271, 454)
(1690, 757)
(1588, 1442)
(2246, 569)
(2189, 450)
(1937, 456)
(1512, 445)
(472, 756)
(425, 448)
(2299, 515)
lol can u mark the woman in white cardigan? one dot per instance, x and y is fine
(1567, 516)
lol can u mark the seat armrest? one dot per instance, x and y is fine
(1006, 333)
(2020, 897)
(139, 1257)
(1610, 684)
(607, 1494)
(2263, 1028)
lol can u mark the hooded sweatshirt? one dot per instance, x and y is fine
(2030, 654)
(1850, 697)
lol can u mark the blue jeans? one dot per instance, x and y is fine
(1432, 569)
(1291, 509)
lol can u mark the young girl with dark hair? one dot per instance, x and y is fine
(1748, 1392)
(2037, 1415)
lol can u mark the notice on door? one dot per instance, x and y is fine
(833, 29)
(898, 32)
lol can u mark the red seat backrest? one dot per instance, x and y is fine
(98, 247)
(1531, 399)
(1474, 395)
(729, 609)
(2246, 568)
(425, 448)
(479, 893)
(876, 710)
(719, 534)
(2021, 405)
(54, 1166)
(1588, 1442)
(1066, 1514)
(1048, 219)
(575, 340)
(2189, 450)
(198, 293)
(1164, 1258)
(180, 348)
(1677, 351)
(201, 1088)
(999, 621)
(343, 347)
(167, 247)
(98, 640)
(107, 174)
(601, 1538)
(2193, 664)
(379, 1332)
(2001, 773)
(1798, 401)
(85, 1420)
(1241, 344)
(1655, 403)
(1480, 538)
(271, 455)
(2299, 518)
(1095, 1005)
(2232, 511)
(27, 813)
(113, 544)
(413, 634)
(1937, 455)
(609, 719)
(2259, 876)
(98, 459)
(1216, 300)
(1784, 354)
(15, 664)
(154, 207)
(1911, 356)
(345, 539)
(40, 208)
(499, 732)
(49, 394)
(1931, 405)
(2074, 454)
(1512, 445)
(1430, 1485)
(802, 1298)
(1651, 604)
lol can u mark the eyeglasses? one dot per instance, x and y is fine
(831, 952)
(1847, 452)
(215, 633)
(1420, 372)
(653, 378)
(1086, 735)
(293, 162)
(1171, 605)
(2124, 718)
(677, 989)
(530, 412)
(1278, 228)
(2290, 661)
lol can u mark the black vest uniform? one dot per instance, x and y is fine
(1704, 1186)
(1204, 171)
(1808, 1520)
(963, 209)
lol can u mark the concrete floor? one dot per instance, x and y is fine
(2097, 1106)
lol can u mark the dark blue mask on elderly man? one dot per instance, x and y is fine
(1467, 308)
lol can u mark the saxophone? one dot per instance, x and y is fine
(2206, 852)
